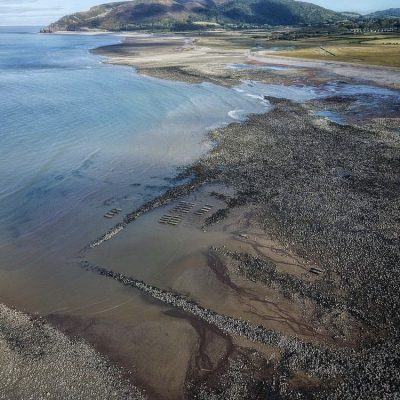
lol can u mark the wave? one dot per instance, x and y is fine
(238, 115)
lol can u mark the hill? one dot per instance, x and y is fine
(194, 14)
(351, 15)
(391, 12)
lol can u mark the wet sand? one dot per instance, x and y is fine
(275, 276)
(266, 294)
(37, 361)
(182, 59)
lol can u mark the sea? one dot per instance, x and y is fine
(79, 137)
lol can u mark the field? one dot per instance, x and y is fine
(369, 48)
(374, 49)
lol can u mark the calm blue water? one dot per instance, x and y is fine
(78, 137)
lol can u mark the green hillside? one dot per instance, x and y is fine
(276, 12)
(192, 14)
(391, 12)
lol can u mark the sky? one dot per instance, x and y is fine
(42, 12)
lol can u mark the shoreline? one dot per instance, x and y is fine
(381, 75)
(247, 269)
(37, 358)
(176, 73)
(195, 64)
(304, 186)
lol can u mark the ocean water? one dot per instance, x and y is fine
(381, 97)
(331, 115)
(363, 100)
(78, 137)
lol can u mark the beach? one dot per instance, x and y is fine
(196, 59)
(40, 362)
(269, 264)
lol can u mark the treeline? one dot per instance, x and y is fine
(370, 24)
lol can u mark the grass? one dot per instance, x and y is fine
(386, 41)
(226, 40)
(370, 48)
(388, 55)
(366, 49)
